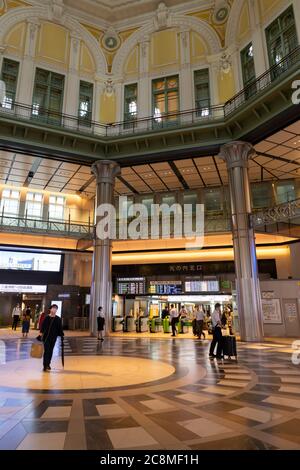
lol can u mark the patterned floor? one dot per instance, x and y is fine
(198, 403)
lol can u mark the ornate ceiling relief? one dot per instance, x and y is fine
(6, 5)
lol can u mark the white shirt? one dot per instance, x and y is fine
(17, 311)
(215, 318)
(100, 314)
(199, 315)
(173, 313)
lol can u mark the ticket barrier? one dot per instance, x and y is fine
(117, 323)
(155, 325)
(166, 325)
(129, 324)
(142, 324)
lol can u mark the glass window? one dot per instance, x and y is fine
(213, 200)
(285, 192)
(148, 203)
(48, 96)
(56, 207)
(10, 201)
(34, 205)
(165, 99)
(261, 195)
(85, 103)
(248, 70)
(202, 93)
(192, 199)
(130, 102)
(281, 38)
(10, 72)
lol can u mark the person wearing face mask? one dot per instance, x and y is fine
(51, 329)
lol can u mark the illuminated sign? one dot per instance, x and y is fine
(29, 261)
(131, 285)
(23, 289)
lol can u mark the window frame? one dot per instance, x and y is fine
(281, 36)
(86, 121)
(4, 198)
(56, 205)
(197, 81)
(34, 203)
(10, 105)
(166, 117)
(45, 112)
(128, 117)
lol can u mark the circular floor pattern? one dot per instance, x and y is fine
(92, 372)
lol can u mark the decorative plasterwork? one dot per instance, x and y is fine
(233, 22)
(11, 18)
(179, 21)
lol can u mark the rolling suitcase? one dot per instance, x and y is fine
(229, 346)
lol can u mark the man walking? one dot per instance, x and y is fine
(199, 321)
(174, 317)
(16, 313)
(217, 333)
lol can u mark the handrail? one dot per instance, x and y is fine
(155, 123)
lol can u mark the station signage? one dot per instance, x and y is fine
(23, 288)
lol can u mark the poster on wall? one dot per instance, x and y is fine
(271, 311)
(290, 310)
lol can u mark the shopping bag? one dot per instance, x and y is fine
(225, 331)
(37, 350)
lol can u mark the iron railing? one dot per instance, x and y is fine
(155, 123)
(39, 226)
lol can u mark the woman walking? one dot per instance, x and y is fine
(100, 323)
(26, 322)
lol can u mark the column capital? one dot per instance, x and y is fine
(105, 171)
(237, 153)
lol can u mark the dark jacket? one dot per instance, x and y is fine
(52, 328)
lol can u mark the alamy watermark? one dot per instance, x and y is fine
(139, 221)
(296, 93)
(296, 353)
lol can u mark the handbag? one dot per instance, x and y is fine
(37, 350)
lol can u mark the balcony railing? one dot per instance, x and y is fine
(86, 231)
(45, 227)
(164, 121)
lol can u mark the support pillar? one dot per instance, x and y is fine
(27, 69)
(105, 172)
(236, 156)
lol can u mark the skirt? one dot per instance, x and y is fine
(100, 323)
(25, 326)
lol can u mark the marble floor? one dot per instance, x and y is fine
(140, 393)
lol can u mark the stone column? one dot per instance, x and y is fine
(72, 83)
(258, 39)
(186, 96)
(144, 84)
(27, 69)
(105, 172)
(236, 156)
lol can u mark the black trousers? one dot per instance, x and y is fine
(48, 351)
(217, 339)
(200, 329)
(15, 322)
(173, 325)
